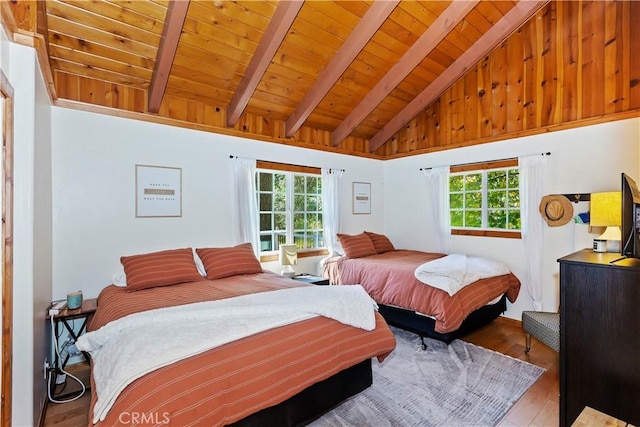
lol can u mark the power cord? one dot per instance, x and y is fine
(68, 374)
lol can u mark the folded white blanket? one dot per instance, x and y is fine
(128, 348)
(453, 272)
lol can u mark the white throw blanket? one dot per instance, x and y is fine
(453, 272)
(128, 348)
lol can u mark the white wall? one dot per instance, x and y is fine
(4, 49)
(94, 158)
(22, 76)
(583, 160)
(42, 238)
(31, 130)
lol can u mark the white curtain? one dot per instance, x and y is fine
(331, 207)
(245, 208)
(532, 175)
(437, 183)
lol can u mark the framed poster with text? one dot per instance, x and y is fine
(361, 198)
(158, 191)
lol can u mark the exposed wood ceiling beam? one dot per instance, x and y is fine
(442, 26)
(279, 25)
(515, 18)
(362, 33)
(176, 14)
(41, 23)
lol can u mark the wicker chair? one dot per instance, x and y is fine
(544, 326)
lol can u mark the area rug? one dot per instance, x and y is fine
(460, 384)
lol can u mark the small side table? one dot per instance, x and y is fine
(313, 280)
(85, 312)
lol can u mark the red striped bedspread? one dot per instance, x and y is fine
(389, 279)
(228, 383)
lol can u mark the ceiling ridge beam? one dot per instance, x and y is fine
(357, 40)
(509, 23)
(433, 35)
(176, 14)
(275, 33)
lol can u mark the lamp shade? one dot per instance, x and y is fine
(288, 255)
(606, 209)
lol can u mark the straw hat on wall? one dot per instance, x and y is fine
(556, 209)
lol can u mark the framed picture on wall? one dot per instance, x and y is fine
(361, 198)
(158, 191)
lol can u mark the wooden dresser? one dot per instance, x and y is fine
(599, 336)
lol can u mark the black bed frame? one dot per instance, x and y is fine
(425, 326)
(315, 400)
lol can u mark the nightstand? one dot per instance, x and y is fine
(83, 313)
(313, 280)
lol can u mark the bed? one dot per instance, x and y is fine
(281, 376)
(404, 301)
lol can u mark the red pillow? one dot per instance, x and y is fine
(225, 262)
(381, 242)
(160, 269)
(357, 246)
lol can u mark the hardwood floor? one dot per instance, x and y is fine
(75, 413)
(538, 407)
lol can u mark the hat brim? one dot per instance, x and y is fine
(567, 210)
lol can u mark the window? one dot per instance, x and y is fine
(290, 206)
(486, 199)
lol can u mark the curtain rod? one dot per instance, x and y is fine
(548, 153)
(231, 156)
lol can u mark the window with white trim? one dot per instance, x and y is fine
(486, 199)
(290, 207)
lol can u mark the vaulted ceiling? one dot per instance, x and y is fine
(332, 75)
(353, 68)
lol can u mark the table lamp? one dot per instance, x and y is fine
(288, 257)
(606, 211)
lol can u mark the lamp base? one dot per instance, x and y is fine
(613, 246)
(600, 245)
(609, 241)
(288, 271)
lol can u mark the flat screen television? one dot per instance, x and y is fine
(630, 233)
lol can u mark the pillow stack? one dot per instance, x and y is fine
(176, 266)
(364, 244)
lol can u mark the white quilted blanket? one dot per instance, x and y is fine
(453, 272)
(127, 348)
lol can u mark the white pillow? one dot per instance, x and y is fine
(119, 278)
(199, 264)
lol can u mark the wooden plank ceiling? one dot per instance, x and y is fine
(354, 70)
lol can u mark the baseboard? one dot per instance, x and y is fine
(509, 321)
(43, 412)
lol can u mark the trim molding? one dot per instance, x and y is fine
(305, 254)
(513, 322)
(75, 105)
(520, 134)
(487, 233)
(263, 164)
(6, 92)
